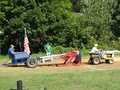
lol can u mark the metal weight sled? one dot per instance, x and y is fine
(23, 57)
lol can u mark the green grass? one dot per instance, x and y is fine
(58, 79)
(68, 79)
(4, 57)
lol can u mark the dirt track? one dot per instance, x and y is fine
(51, 66)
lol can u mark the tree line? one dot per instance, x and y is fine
(65, 23)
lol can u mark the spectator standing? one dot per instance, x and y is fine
(48, 49)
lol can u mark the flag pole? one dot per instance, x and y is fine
(20, 46)
(25, 30)
(26, 43)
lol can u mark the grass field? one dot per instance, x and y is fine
(55, 78)
(68, 79)
(4, 57)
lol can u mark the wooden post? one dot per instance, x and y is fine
(19, 85)
(45, 88)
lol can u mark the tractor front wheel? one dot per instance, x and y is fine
(110, 61)
(31, 62)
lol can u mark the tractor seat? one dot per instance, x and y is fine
(91, 54)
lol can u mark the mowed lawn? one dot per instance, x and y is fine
(60, 79)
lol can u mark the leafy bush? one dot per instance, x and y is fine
(84, 51)
(60, 49)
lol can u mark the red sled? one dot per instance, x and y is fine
(71, 59)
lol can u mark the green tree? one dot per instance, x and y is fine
(116, 18)
(99, 18)
(44, 20)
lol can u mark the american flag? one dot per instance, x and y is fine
(26, 44)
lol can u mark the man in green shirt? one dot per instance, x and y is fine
(48, 49)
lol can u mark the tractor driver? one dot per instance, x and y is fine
(95, 50)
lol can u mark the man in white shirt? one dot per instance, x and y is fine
(95, 50)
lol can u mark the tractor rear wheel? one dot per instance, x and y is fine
(25, 64)
(89, 61)
(31, 62)
(95, 60)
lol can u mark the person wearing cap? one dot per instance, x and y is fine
(48, 49)
(11, 51)
(95, 50)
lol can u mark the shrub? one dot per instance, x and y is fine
(60, 49)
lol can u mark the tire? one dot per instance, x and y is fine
(90, 61)
(25, 64)
(110, 61)
(107, 61)
(95, 60)
(31, 62)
